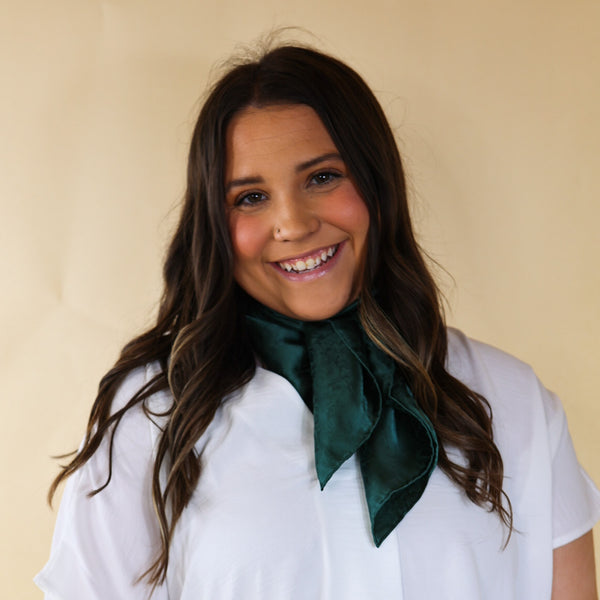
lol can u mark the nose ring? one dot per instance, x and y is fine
(277, 230)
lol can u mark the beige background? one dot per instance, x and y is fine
(496, 108)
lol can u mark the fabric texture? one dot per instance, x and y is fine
(259, 527)
(360, 403)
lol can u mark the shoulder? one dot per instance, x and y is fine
(487, 369)
(474, 360)
(522, 408)
(135, 381)
(146, 415)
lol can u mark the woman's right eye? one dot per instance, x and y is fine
(249, 199)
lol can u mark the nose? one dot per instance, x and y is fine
(294, 220)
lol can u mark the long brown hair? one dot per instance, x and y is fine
(199, 331)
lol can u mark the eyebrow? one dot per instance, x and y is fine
(242, 181)
(315, 161)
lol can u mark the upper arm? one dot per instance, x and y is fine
(103, 543)
(574, 576)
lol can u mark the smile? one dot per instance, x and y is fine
(310, 261)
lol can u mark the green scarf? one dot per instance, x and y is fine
(360, 402)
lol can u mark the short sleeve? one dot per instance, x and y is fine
(103, 543)
(555, 500)
(575, 498)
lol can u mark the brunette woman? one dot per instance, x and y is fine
(300, 423)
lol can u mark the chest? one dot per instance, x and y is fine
(260, 527)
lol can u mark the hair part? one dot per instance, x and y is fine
(199, 330)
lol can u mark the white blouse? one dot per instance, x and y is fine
(258, 526)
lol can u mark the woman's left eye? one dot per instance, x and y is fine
(324, 177)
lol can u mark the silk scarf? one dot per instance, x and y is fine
(360, 402)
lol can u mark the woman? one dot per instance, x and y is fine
(299, 423)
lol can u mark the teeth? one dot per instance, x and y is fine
(310, 263)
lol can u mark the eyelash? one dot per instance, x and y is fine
(252, 198)
(241, 200)
(331, 176)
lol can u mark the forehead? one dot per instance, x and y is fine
(275, 132)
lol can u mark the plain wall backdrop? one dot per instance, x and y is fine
(495, 105)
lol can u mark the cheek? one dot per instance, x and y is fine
(352, 215)
(246, 238)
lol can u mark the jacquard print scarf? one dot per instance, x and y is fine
(360, 402)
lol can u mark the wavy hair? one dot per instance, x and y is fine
(199, 331)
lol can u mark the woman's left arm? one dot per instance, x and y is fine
(574, 574)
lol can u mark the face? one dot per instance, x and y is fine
(297, 223)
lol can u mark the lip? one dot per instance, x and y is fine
(315, 273)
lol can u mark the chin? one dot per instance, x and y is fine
(316, 311)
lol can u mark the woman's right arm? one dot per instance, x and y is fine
(103, 543)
